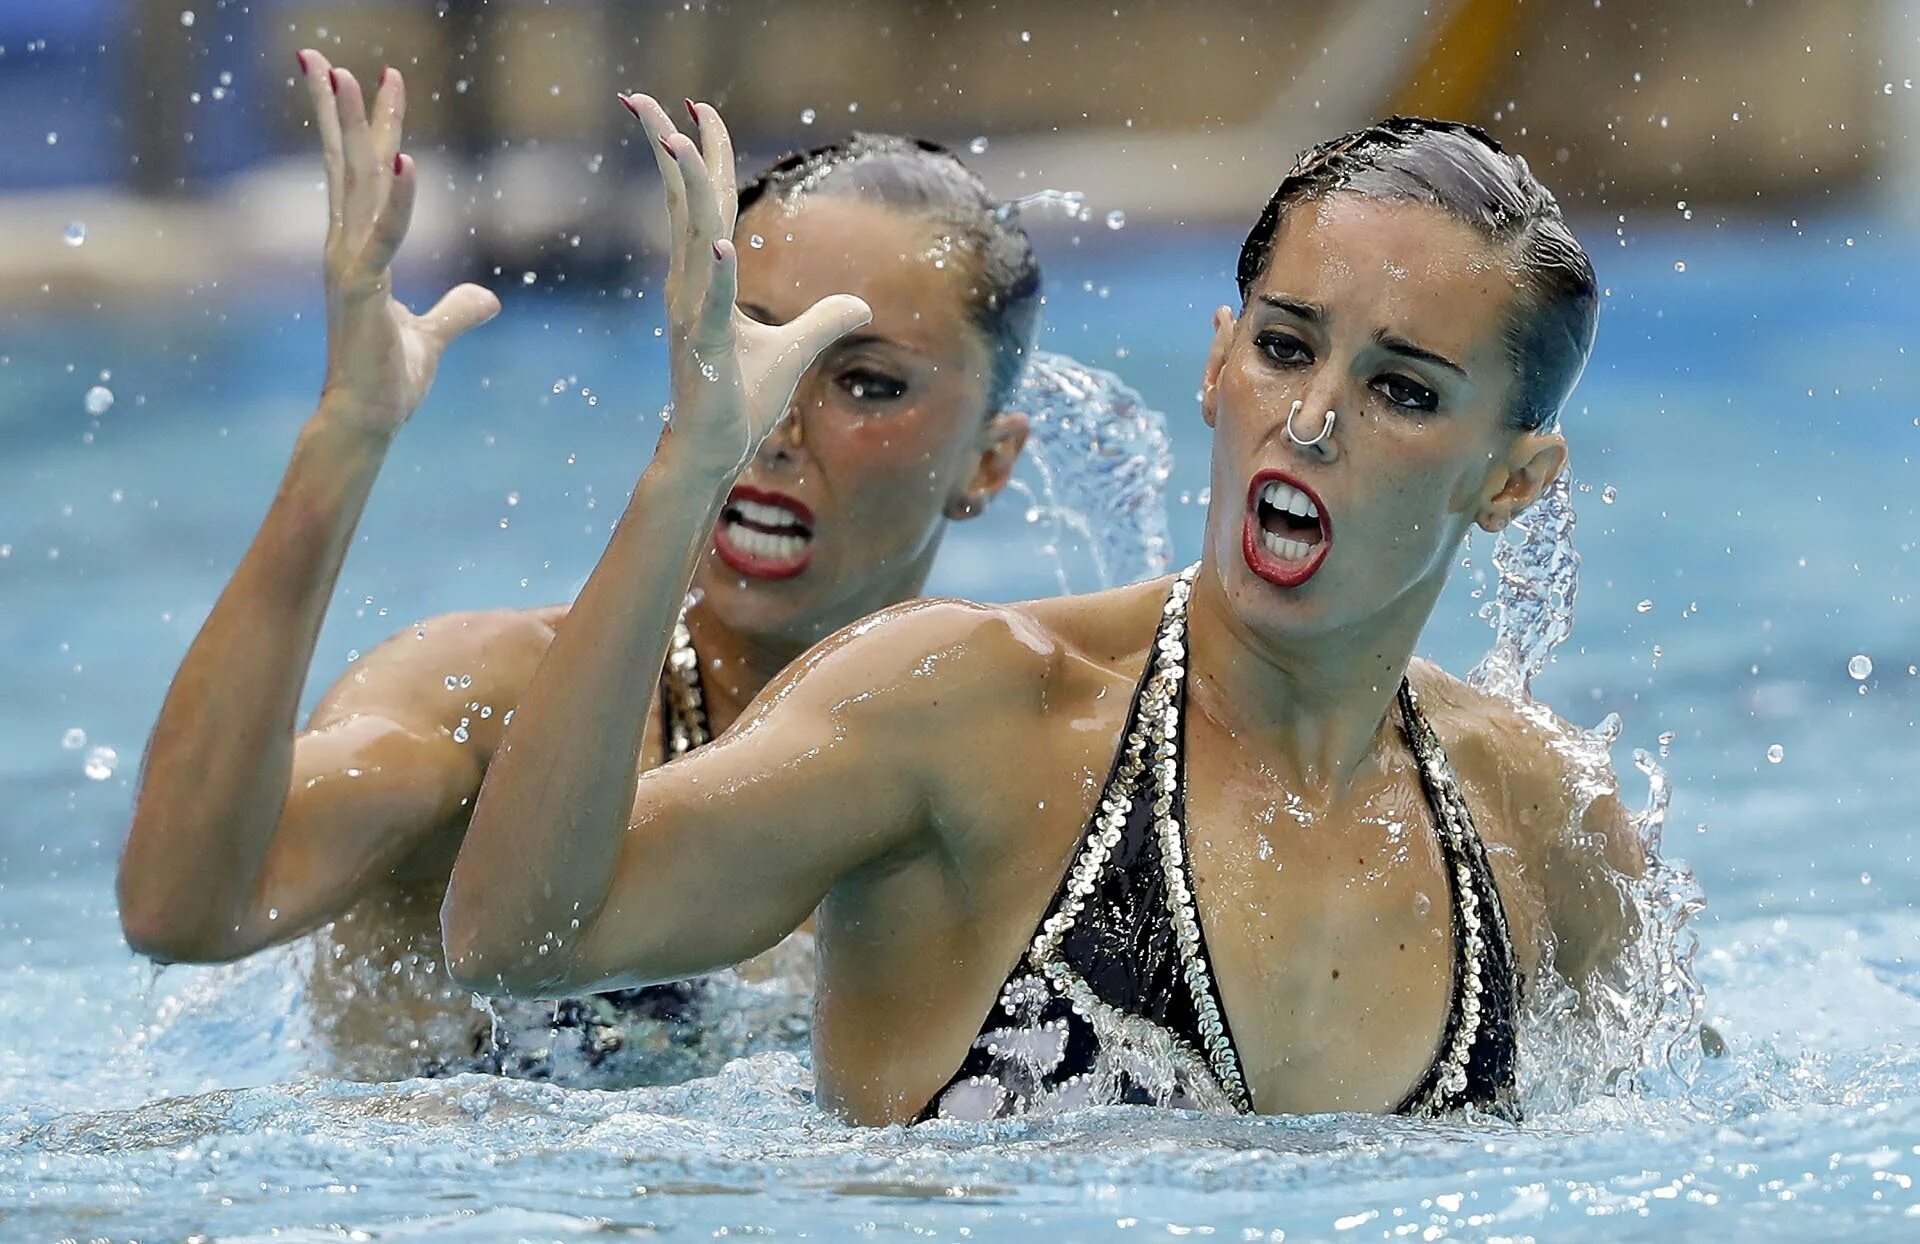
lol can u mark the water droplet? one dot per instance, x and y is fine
(452, 682)
(807, 116)
(1679, 265)
(74, 739)
(100, 762)
(1860, 667)
(460, 733)
(709, 372)
(978, 146)
(756, 241)
(99, 400)
(1609, 495)
(527, 278)
(76, 234)
(1026, 36)
(1776, 754)
(53, 138)
(186, 17)
(1116, 219)
(1645, 606)
(466, 680)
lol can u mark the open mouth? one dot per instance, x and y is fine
(764, 535)
(1288, 533)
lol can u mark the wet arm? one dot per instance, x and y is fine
(221, 764)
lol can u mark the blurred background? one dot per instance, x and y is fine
(1744, 173)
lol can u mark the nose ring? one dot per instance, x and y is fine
(1326, 429)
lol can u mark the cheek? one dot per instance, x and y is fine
(884, 460)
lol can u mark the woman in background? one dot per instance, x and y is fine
(249, 832)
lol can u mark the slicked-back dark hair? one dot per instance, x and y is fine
(1461, 170)
(927, 180)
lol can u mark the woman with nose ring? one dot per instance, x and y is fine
(1218, 840)
(886, 306)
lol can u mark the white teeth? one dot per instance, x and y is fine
(1289, 499)
(765, 544)
(764, 514)
(1285, 549)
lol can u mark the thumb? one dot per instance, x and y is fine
(813, 330)
(463, 307)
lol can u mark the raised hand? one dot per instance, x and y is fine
(380, 356)
(732, 375)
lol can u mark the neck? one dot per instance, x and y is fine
(1317, 706)
(735, 666)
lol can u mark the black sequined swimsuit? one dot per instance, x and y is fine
(1114, 999)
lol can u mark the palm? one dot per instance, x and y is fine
(732, 375)
(381, 358)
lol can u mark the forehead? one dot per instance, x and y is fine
(918, 285)
(1405, 268)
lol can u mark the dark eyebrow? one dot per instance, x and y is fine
(1406, 349)
(851, 341)
(1311, 312)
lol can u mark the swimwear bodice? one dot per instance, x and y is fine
(1114, 998)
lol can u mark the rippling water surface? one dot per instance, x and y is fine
(1747, 524)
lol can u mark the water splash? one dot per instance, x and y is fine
(1641, 1026)
(1101, 457)
(1071, 204)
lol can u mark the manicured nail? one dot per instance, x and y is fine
(666, 142)
(333, 80)
(382, 79)
(628, 104)
(719, 256)
(397, 167)
(300, 59)
(692, 111)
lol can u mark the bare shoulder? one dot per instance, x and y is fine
(935, 653)
(435, 669)
(1553, 790)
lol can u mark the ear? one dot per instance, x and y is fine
(1224, 321)
(1005, 436)
(1516, 481)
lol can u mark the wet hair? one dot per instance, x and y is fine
(1461, 170)
(925, 179)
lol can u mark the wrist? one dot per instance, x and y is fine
(370, 419)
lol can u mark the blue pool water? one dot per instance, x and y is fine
(1743, 441)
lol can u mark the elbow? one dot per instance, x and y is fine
(487, 960)
(156, 932)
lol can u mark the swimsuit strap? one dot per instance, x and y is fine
(683, 704)
(1475, 1063)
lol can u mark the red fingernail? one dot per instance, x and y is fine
(665, 142)
(300, 59)
(627, 104)
(718, 255)
(692, 111)
(382, 79)
(333, 80)
(396, 164)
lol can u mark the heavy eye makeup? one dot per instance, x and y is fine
(870, 386)
(1283, 349)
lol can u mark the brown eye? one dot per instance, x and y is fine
(1406, 394)
(1283, 349)
(863, 384)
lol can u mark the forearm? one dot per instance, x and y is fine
(217, 766)
(547, 829)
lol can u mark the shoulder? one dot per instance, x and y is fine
(438, 666)
(929, 653)
(1550, 784)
